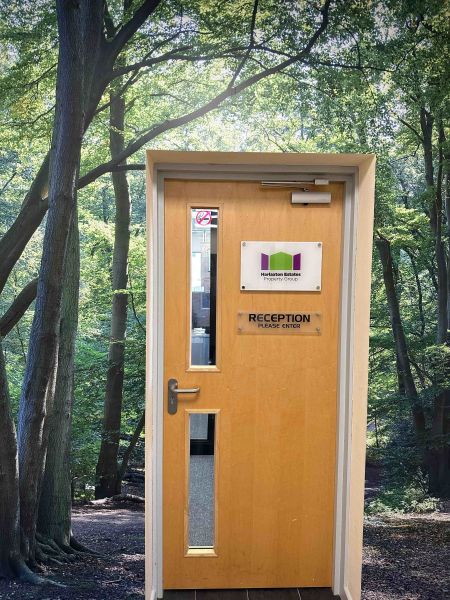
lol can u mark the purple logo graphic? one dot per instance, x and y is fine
(280, 261)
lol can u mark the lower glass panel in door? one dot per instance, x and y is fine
(201, 494)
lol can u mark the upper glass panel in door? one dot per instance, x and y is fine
(203, 286)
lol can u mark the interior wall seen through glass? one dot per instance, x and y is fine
(204, 238)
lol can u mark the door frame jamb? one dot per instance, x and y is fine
(155, 355)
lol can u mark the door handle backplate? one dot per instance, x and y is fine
(173, 391)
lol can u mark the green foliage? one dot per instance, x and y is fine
(404, 483)
(402, 499)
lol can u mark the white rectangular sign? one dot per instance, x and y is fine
(281, 266)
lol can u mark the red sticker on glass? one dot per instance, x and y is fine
(203, 218)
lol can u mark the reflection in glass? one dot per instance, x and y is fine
(201, 480)
(204, 222)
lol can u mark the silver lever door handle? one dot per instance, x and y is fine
(173, 391)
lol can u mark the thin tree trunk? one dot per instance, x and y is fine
(438, 452)
(439, 468)
(131, 446)
(401, 348)
(419, 292)
(375, 420)
(108, 482)
(54, 518)
(441, 254)
(447, 213)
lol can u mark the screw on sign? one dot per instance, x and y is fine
(203, 218)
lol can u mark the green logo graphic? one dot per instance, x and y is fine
(280, 261)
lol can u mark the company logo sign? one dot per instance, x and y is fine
(283, 266)
(280, 261)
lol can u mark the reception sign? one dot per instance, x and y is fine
(299, 323)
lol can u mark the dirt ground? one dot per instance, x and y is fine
(116, 533)
(405, 558)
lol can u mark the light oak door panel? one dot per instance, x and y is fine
(275, 398)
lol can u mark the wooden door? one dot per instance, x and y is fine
(272, 399)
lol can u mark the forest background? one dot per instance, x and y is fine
(84, 89)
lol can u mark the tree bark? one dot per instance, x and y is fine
(54, 517)
(77, 24)
(108, 482)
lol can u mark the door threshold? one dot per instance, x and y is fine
(253, 594)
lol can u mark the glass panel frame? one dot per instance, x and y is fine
(207, 550)
(205, 303)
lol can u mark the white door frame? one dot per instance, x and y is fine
(155, 349)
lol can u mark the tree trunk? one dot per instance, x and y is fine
(439, 468)
(11, 562)
(9, 480)
(54, 517)
(438, 452)
(77, 23)
(108, 482)
(447, 212)
(401, 348)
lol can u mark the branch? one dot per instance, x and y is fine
(18, 308)
(175, 54)
(131, 446)
(155, 131)
(131, 167)
(31, 214)
(129, 29)
(157, 46)
(135, 76)
(109, 23)
(411, 128)
(8, 182)
(133, 305)
(32, 121)
(250, 46)
(41, 76)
